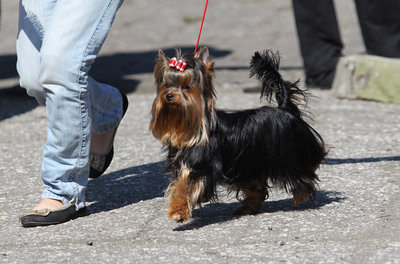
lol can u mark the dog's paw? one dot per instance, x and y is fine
(180, 215)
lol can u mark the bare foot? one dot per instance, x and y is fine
(48, 203)
(101, 143)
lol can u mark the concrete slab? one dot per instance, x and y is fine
(368, 77)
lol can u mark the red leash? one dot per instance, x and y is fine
(201, 27)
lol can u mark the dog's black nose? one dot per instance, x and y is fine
(170, 97)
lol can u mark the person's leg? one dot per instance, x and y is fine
(71, 41)
(70, 46)
(34, 17)
(380, 26)
(102, 120)
(319, 38)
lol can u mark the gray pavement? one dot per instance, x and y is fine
(355, 217)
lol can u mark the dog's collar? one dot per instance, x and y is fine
(179, 65)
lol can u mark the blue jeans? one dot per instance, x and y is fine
(57, 43)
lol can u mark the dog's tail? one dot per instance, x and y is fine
(265, 66)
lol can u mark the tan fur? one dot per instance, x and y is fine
(168, 122)
(299, 197)
(196, 192)
(178, 193)
(182, 197)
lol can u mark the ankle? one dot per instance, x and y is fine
(101, 143)
(48, 203)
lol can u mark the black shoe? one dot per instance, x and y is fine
(100, 162)
(46, 217)
(322, 81)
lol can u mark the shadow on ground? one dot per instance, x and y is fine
(361, 160)
(219, 212)
(145, 182)
(222, 212)
(117, 70)
(14, 101)
(127, 186)
(148, 181)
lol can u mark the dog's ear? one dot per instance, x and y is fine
(204, 56)
(162, 57)
(162, 62)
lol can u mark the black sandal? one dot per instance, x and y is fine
(46, 217)
(100, 162)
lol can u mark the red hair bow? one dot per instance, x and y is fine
(179, 65)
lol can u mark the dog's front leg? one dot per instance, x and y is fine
(179, 202)
(184, 193)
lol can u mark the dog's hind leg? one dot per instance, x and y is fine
(301, 194)
(299, 197)
(251, 203)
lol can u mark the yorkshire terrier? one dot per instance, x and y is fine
(248, 150)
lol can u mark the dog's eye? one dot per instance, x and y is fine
(186, 87)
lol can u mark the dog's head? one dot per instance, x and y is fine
(183, 109)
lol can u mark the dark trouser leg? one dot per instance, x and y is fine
(380, 26)
(319, 36)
